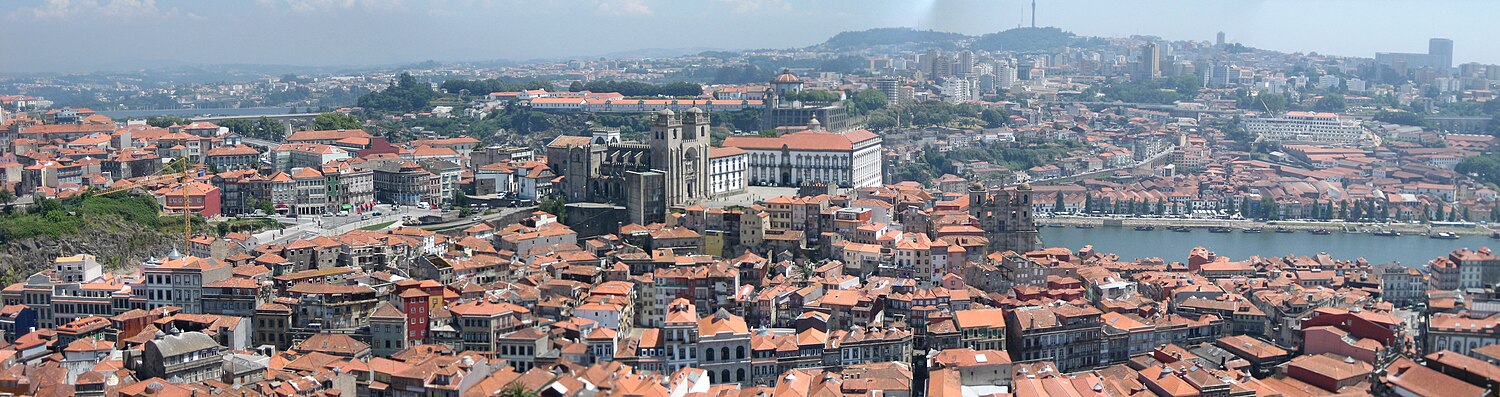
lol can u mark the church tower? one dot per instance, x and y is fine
(679, 149)
(1005, 216)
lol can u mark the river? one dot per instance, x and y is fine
(1131, 244)
(140, 114)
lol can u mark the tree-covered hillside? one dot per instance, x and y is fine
(1025, 39)
(892, 36)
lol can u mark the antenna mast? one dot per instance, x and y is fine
(1033, 14)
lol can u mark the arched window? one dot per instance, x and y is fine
(723, 376)
(739, 375)
(739, 352)
(724, 352)
(708, 354)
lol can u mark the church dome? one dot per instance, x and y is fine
(665, 112)
(694, 109)
(786, 77)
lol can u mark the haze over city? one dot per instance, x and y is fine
(741, 198)
(87, 35)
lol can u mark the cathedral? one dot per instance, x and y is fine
(1005, 216)
(671, 169)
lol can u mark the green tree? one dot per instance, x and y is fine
(866, 101)
(575, 86)
(166, 121)
(516, 390)
(460, 199)
(1331, 103)
(1265, 101)
(1493, 126)
(263, 128)
(995, 117)
(1188, 85)
(815, 96)
(406, 95)
(640, 89)
(336, 121)
(1058, 205)
(555, 205)
(879, 121)
(1486, 168)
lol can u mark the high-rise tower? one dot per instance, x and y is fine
(1033, 13)
(1151, 60)
(1441, 51)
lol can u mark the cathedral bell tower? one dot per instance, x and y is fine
(679, 149)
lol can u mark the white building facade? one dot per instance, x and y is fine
(726, 170)
(849, 159)
(1310, 127)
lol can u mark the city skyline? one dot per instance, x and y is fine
(358, 33)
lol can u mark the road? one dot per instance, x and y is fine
(309, 226)
(305, 227)
(1108, 171)
(260, 143)
(466, 222)
(256, 116)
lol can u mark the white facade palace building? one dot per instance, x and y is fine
(850, 159)
(726, 170)
(1310, 127)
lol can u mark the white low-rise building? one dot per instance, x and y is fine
(850, 159)
(1310, 127)
(726, 170)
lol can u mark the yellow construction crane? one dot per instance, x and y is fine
(187, 218)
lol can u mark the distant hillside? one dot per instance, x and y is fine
(1025, 39)
(891, 36)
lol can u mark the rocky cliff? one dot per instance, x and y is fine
(117, 244)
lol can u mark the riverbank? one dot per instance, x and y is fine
(1130, 244)
(1409, 229)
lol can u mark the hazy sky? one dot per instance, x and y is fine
(83, 35)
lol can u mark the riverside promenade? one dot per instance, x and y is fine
(1344, 226)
